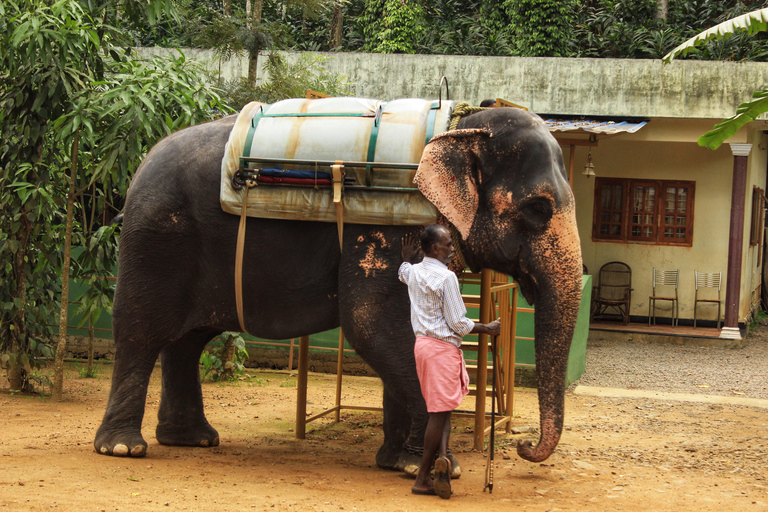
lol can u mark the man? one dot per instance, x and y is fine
(438, 318)
(489, 103)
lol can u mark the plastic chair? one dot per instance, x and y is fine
(707, 280)
(612, 292)
(664, 278)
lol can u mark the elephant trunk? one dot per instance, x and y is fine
(557, 297)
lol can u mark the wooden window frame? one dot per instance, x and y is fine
(657, 223)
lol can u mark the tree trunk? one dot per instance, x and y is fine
(336, 24)
(228, 357)
(662, 9)
(253, 65)
(89, 365)
(17, 374)
(227, 7)
(58, 367)
(258, 6)
(253, 57)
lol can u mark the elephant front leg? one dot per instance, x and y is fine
(181, 418)
(403, 437)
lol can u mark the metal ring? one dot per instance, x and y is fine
(440, 92)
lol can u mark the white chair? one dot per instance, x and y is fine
(707, 280)
(666, 278)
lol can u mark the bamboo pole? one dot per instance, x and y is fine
(301, 401)
(339, 374)
(482, 358)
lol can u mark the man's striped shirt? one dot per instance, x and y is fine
(437, 309)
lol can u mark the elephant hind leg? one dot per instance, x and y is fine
(181, 418)
(120, 430)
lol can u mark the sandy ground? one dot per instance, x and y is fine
(615, 454)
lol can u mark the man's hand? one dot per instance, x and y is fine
(494, 328)
(410, 248)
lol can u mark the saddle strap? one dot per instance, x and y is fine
(239, 262)
(338, 184)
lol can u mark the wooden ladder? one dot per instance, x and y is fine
(497, 299)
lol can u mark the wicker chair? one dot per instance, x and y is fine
(613, 292)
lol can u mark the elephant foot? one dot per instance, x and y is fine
(395, 459)
(407, 460)
(120, 444)
(172, 435)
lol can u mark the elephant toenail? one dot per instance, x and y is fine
(104, 450)
(138, 450)
(120, 450)
(204, 442)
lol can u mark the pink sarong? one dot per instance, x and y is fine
(442, 373)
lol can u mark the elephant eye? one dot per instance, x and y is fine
(536, 212)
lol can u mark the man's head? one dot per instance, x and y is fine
(436, 243)
(489, 103)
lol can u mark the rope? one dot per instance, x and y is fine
(463, 110)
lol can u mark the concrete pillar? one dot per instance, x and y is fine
(735, 240)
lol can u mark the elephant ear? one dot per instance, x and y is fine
(448, 175)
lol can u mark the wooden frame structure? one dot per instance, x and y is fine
(497, 299)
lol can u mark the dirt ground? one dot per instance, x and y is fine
(615, 454)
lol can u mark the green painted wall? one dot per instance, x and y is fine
(524, 346)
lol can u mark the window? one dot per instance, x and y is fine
(644, 211)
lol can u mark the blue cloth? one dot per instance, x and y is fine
(287, 173)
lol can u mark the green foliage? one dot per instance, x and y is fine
(475, 29)
(541, 27)
(214, 364)
(392, 26)
(94, 266)
(759, 318)
(70, 97)
(84, 373)
(728, 127)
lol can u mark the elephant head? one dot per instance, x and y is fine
(500, 181)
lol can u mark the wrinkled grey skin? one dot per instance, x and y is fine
(175, 287)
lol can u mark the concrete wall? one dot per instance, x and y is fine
(683, 100)
(611, 87)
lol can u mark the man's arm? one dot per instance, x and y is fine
(493, 328)
(455, 312)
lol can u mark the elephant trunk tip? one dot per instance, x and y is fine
(531, 453)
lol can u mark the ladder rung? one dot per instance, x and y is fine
(473, 391)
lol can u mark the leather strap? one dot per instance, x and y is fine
(372, 143)
(338, 184)
(239, 261)
(431, 121)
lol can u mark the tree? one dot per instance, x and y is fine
(392, 26)
(67, 83)
(749, 23)
(541, 27)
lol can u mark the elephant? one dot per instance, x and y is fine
(498, 180)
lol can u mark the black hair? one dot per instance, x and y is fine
(487, 103)
(430, 236)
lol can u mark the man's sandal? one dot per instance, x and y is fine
(442, 481)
